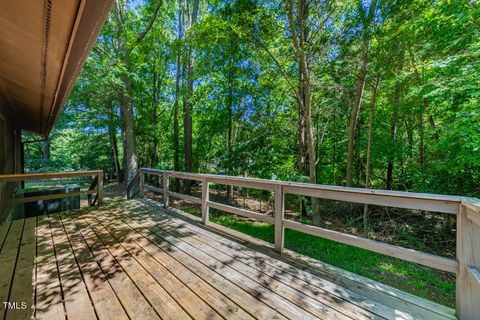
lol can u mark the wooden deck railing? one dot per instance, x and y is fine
(96, 187)
(466, 266)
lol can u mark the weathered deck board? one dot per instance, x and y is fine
(132, 299)
(281, 304)
(221, 303)
(24, 277)
(158, 297)
(8, 260)
(185, 297)
(49, 296)
(371, 295)
(4, 228)
(298, 302)
(106, 303)
(135, 260)
(77, 300)
(258, 268)
(248, 302)
(367, 297)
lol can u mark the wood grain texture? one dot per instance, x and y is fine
(49, 296)
(468, 255)
(23, 283)
(8, 259)
(426, 259)
(132, 259)
(48, 175)
(104, 299)
(347, 284)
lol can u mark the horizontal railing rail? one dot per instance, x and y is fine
(466, 266)
(96, 188)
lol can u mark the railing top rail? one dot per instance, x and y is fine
(270, 184)
(47, 175)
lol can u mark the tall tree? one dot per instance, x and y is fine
(176, 129)
(369, 149)
(367, 21)
(112, 132)
(192, 12)
(394, 120)
(299, 35)
(124, 48)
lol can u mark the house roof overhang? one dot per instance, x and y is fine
(43, 47)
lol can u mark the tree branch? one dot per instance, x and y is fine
(277, 63)
(149, 26)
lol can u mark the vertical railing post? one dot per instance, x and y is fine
(468, 256)
(166, 186)
(100, 188)
(141, 185)
(205, 199)
(279, 216)
(92, 186)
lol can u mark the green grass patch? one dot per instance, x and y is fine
(421, 281)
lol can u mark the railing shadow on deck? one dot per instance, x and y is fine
(466, 266)
(228, 259)
(85, 249)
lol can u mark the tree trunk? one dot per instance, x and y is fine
(230, 128)
(421, 145)
(409, 127)
(393, 124)
(154, 151)
(434, 127)
(367, 20)
(423, 107)
(123, 52)
(302, 131)
(130, 151)
(124, 144)
(302, 139)
(29, 160)
(369, 152)
(355, 112)
(307, 106)
(114, 145)
(188, 106)
(46, 149)
(176, 129)
(299, 34)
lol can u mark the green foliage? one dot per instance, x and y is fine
(245, 78)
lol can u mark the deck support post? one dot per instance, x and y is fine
(279, 216)
(205, 199)
(141, 185)
(468, 255)
(166, 186)
(100, 188)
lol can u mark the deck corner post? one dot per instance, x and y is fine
(468, 255)
(100, 188)
(279, 216)
(141, 185)
(205, 199)
(165, 186)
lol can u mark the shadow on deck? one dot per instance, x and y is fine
(136, 260)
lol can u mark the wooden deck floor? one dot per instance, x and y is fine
(134, 260)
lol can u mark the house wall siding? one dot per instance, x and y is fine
(10, 155)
